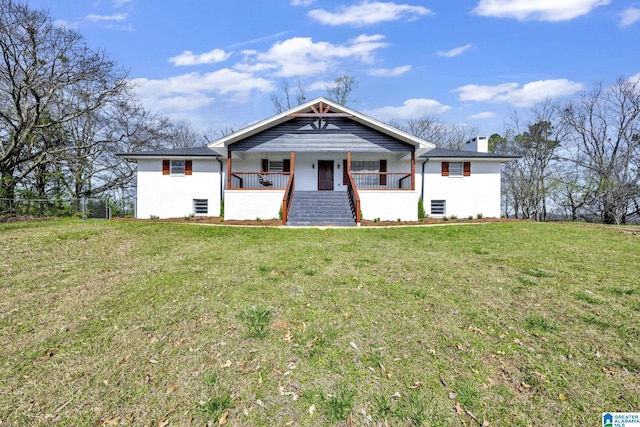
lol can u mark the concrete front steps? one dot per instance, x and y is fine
(320, 208)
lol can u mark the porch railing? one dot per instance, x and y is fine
(259, 180)
(286, 200)
(382, 180)
(354, 198)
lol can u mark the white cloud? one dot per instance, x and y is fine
(193, 102)
(540, 10)
(189, 58)
(302, 2)
(369, 12)
(411, 108)
(193, 90)
(525, 96)
(483, 116)
(318, 85)
(392, 72)
(118, 17)
(120, 3)
(629, 17)
(457, 51)
(484, 93)
(301, 56)
(64, 24)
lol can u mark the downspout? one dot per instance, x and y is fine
(422, 185)
(221, 181)
(221, 169)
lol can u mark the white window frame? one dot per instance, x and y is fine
(438, 207)
(178, 167)
(201, 206)
(456, 169)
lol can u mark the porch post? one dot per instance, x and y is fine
(229, 170)
(413, 170)
(348, 162)
(293, 162)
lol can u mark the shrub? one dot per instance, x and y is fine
(421, 213)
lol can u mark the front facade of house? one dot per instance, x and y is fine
(319, 146)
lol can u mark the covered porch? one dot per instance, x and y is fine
(320, 147)
(270, 179)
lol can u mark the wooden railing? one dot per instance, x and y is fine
(286, 200)
(382, 180)
(354, 198)
(259, 180)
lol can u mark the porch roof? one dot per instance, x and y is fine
(320, 143)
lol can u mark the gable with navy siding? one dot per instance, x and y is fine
(324, 134)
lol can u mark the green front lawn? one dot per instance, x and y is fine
(143, 323)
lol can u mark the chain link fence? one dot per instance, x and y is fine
(79, 208)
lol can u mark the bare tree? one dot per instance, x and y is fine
(528, 178)
(604, 129)
(90, 166)
(570, 190)
(288, 99)
(48, 77)
(432, 129)
(342, 89)
(182, 134)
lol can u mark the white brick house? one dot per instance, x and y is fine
(316, 148)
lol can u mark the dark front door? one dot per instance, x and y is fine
(325, 175)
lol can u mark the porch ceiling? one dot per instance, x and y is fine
(339, 142)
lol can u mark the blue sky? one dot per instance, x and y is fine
(216, 63)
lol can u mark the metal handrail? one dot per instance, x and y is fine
(402, 179)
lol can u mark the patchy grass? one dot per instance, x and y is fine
(140, 323)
